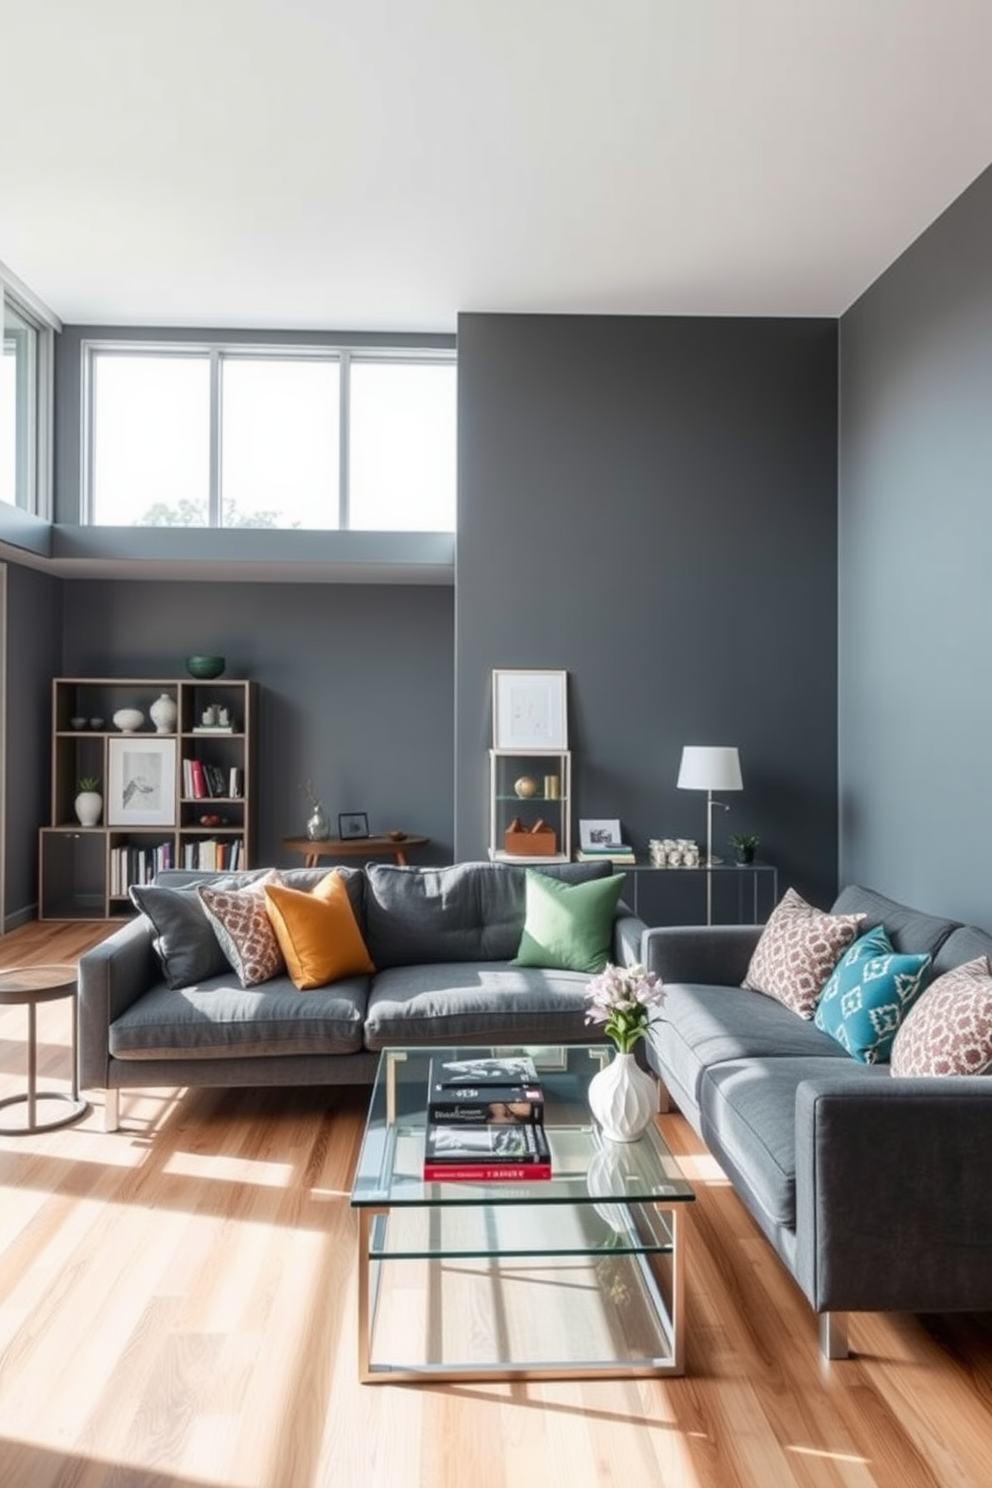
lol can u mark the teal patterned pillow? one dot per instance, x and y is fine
(871, 990)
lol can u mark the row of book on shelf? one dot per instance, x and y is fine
(214, 854)
(139, 865)
(203, 781)
(485, 1121)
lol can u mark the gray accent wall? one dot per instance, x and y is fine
(915, 559)
(357, 688)
(650, 504)
(34, 649)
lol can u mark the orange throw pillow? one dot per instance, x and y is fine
(317, 932)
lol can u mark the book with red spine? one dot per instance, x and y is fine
(485, 1172)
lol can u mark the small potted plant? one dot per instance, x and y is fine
(89, 802)
(745, 845)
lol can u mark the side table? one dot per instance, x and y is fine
(353, 847)
(31, 985)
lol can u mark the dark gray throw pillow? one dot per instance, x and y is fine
(184, 937)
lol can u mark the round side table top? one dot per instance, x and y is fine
(36, 983)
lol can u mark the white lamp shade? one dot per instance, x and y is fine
(710, 767)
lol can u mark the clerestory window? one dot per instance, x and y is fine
(232, 436)
(24, 407)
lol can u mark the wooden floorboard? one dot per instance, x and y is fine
(178, 1308)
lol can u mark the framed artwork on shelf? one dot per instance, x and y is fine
(141, 788)
(598, 833)
(529, 710)
(352, 825)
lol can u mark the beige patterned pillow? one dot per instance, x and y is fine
(949, 1031)
(243, 928)
(798, 949)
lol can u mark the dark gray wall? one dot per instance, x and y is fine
(357, 687)
(651, 505)
(34, 649)
(915, 559)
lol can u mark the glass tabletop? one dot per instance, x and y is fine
(585, 1167)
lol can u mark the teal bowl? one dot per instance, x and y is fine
(205, 667)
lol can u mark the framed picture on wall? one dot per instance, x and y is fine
(141, 785)
(529, 710)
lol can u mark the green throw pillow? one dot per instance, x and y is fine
(568, 927)
(871, 990)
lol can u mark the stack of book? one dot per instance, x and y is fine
(609, 852)
(485, 1121)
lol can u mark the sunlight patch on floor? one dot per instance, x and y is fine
(702, 1168)
(254, 1170)
(830, 1456)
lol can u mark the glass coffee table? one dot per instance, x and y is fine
(577, 1275)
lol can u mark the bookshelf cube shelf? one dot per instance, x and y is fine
(198, 787)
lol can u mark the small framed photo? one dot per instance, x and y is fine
(141, 784)
(353, 824)
(529, 710)
(602, 833)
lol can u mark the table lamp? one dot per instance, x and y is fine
(709, 768)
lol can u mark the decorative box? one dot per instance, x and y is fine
(538, 841)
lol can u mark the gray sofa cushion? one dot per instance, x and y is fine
(964, 944)
(702, 1026)
(459, 1002)
(908, 929)
(748, 1121)
(219, 1018)
(466, 912)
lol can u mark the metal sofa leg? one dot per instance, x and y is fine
(111, 1110)
(833, 1335)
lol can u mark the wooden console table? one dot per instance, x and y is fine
(353, 847)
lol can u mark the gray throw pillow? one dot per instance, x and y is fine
(184, 937)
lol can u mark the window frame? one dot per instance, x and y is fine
(219, 351)
(34, 453)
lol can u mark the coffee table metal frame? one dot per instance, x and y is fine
(612, 1204)
(29, 986)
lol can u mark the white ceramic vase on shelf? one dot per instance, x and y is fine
(89, 808)
(163, 714)
(623, 1099)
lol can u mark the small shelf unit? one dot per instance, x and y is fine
(551, 770)
(85, 872)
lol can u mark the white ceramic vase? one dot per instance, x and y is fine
(623, 1099)
(163, 714)
(89, 808)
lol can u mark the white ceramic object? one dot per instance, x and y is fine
(128, 720)
(623, 1099)
(163, 714)
(89, 808)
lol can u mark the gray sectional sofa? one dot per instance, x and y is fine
(442, 940)
(873, 1189)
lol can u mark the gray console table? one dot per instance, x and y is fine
(756, 885)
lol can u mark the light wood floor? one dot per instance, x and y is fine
(178, 1307)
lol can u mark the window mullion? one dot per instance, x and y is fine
(344, 441)
(216, 453)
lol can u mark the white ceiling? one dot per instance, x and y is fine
(385, 164)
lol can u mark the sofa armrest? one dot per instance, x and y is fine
(713, 955)
(893, 1212)
(628, 930)
(112, 975)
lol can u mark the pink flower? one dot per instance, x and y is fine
(622, 999)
